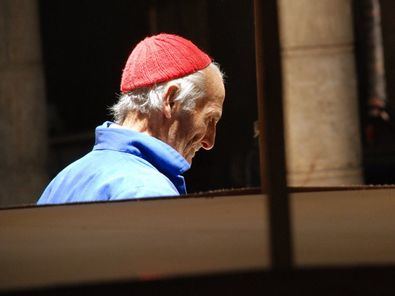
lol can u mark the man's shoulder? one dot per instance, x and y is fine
(120, 164)
(115, 168)
(109, 160)
(107, 175)
(142, 180)
(139, 186)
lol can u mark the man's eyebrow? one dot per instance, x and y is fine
(214, 114)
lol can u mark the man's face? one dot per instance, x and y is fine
(196, 129)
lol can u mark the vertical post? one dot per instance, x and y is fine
(23, 130)
(271, 127)
(376, 74)
(370, 57)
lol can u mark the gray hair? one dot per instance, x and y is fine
(148, 99)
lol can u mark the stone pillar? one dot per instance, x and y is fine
(321, 110)
(22, 104)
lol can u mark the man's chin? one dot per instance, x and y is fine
(189, 158)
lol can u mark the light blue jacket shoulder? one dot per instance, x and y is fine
(123, 164)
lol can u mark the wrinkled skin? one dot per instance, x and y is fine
(186, 131)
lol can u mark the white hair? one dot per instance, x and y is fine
(148, 99)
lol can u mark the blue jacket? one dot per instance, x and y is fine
(123, 164)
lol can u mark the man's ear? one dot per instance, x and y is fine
(168, 99)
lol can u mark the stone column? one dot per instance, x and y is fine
(22, 104)
(321, 110)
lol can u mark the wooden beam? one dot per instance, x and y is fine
(138, 240)
(271, 128)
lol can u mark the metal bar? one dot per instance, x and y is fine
(271, 128)
(376, 73)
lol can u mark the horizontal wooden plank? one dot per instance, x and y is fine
(344, 228)
(69, 244)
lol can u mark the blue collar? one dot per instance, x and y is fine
(163, 157)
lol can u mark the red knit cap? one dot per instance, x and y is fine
(161, 58)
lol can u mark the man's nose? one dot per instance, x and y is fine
(209, 139)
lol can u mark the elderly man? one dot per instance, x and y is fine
(171, 100)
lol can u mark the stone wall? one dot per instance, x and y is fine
(321, 109)
(22, 104)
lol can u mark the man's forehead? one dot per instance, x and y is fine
(213, 101)
(214, 84)
(213, 108)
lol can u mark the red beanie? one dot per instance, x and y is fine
(161, 58)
